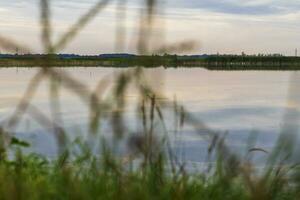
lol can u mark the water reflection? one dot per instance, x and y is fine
(237, 102)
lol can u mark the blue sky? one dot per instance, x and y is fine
(244, 7)
(224, 26)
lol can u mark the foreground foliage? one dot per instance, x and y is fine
(85, 176)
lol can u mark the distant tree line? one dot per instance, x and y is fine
(225, 62)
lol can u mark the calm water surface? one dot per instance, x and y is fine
(239, 102)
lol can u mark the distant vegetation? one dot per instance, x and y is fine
(212, 62)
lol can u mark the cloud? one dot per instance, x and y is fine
(225, 26)
(241, 7)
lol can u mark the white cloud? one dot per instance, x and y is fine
(224, 29)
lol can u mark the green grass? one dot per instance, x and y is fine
(33, 177)
(86, 176)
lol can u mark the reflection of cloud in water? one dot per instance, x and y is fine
(237, 102)
(195, 149)
(250, 117)
(289, 138)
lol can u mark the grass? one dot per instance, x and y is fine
(84, 176)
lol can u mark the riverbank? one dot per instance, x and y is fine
(212, 62)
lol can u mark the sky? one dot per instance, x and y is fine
(214, 26)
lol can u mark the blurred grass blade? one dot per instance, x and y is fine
(10, 45)
(180, 47)
(46, 26)
(79, 25)
(25, 101)
(120, 27)
(145, 26)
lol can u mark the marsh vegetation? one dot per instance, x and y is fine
(210, 62)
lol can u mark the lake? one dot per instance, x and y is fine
(237, 102)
